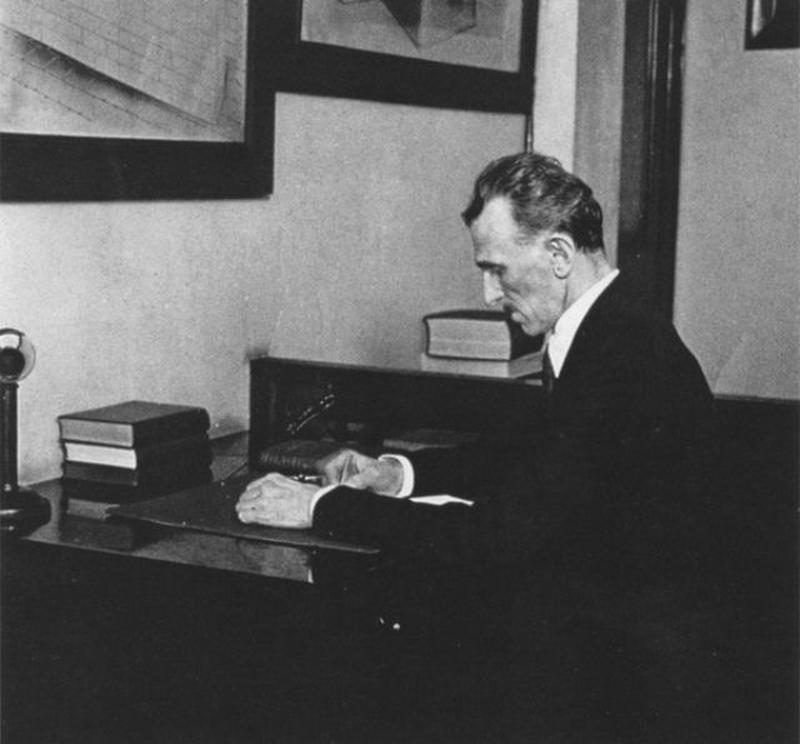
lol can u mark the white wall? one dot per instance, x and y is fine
(165, 301)
(737, 298)
(598, 107)
(556, 74)
(577, 113)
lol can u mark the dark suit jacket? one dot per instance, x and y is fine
(593, 526)
(615, 463)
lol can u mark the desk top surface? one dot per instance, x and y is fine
(185, 546)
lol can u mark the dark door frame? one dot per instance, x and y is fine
(650, 152)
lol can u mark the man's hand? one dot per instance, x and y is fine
(350, 468)
(277, 501)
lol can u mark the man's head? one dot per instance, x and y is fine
(538, 237)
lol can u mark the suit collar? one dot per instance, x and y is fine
(607, 310)
(563, 335)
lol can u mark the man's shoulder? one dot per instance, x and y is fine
(622, 310)
(625, 336)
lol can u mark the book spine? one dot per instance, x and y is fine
(88, 508)
(176, 425)
(287, 463)
(521, 367)
(507, 340)
(79, 489)
(296, 456)
(173, 473)
(469, 349)
(197, 448)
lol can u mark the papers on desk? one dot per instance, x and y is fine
(440, 500)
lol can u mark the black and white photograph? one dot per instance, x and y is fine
(399, 372)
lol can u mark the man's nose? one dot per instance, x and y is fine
(492, 292)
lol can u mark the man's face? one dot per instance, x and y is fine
(517, 270)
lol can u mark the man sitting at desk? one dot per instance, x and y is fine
(605, 506)
(628, 407)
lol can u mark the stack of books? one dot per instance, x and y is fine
(131, 451)
(480, 342)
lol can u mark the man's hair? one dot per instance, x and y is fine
(543, 196)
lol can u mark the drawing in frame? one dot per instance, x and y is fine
(772, 24)
(465, 54)
(135, 99)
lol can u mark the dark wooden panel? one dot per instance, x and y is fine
(650, 155)
(371, 403)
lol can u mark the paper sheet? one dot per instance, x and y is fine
(440, 500)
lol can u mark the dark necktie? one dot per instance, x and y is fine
(548, 374)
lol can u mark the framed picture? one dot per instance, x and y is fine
(772, 24)
(135, 99)
(468, 54)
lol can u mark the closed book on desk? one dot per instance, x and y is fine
(529, 365)
(174, 471)
(296, 456)
(78, 506)
(477, 334)
(134, 423)
(197, 447)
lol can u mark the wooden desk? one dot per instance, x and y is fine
(119, 633)
(113, 633)
(177, 637)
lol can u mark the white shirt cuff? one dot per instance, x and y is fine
(408, 475)
(406, 489)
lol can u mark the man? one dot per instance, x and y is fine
(602, 510)
(629, 408)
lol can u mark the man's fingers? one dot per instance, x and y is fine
(250, 493)
(254, 485)
(279, 479)
(256, 488)
(246, 515)
(356, 481)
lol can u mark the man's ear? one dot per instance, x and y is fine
(562, 253)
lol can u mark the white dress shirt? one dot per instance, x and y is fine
(563, 334)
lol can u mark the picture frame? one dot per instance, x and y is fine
(42, 167)
(307, 65)
(772, 24)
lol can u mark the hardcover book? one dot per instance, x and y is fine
(297, 456)
(172, 473)
(82, 492)
(88, 508)
(529, 365)
(196, 447)
(134, 423)
(477, 334)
